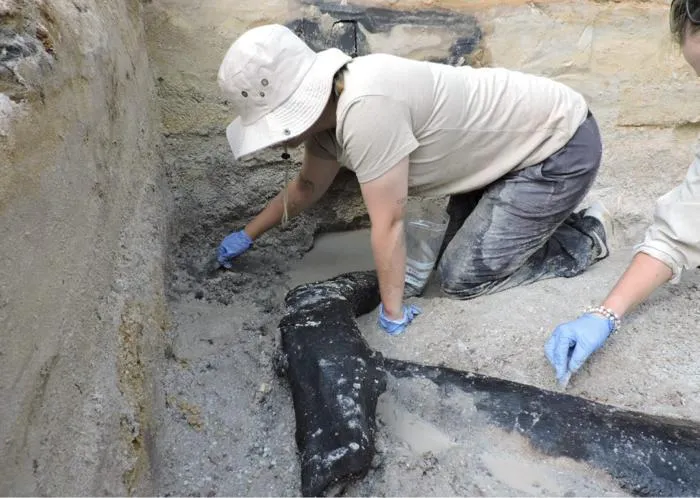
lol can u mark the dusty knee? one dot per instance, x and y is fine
(465, 281)
(456, 282)
(475, 271)
(461, 290)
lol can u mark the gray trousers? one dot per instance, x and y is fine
(522, 228)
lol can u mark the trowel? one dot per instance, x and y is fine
(209, 268)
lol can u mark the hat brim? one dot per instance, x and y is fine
(295, 115)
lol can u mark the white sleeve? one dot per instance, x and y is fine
(674, 236)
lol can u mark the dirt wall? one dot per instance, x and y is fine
(81, 232)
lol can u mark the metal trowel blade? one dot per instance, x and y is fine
(210, 267)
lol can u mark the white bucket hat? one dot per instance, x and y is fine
(277, 85)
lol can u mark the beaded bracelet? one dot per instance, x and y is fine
(607, 313)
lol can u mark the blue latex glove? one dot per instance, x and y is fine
(233, 246)
(573, 342)
(392, 327)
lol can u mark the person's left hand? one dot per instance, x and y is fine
(235, 244)
(573, 342)
(394, 327)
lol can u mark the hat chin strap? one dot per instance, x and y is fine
(285, 188)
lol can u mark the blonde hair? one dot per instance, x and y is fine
(339, 82)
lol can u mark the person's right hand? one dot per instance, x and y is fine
(396, 327)
(233, 246)
(573, 342)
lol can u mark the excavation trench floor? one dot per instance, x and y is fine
(229, 425)
(650, 365)
(331, 254)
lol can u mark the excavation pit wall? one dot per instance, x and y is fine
(82, 223)
(116, 172)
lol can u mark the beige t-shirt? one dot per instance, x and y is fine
(461, 127)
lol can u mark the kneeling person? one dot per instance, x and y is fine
(516, 153)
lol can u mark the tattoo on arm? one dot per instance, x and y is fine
(306, 184)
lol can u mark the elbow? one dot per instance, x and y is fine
(396, 225)
(386, 229)
(666, 252)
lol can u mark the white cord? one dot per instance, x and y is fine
(285, 194)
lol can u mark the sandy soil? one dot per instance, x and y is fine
(648, 365)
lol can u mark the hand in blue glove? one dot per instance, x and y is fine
(233, 246)
(573, 342)
(393, 327)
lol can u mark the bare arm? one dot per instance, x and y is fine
(385, 198)
(643, 276)
(315, 177)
